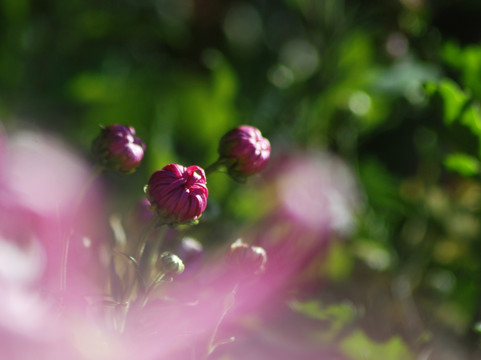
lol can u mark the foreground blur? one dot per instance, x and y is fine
(56, 253)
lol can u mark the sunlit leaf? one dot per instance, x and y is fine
(454, 100)
(359, 347)
(477, 327)
(471, 118)
(337, 316)
(463, 164)
(467, 60)
(381, 186)
(339, 263)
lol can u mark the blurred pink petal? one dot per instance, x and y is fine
(21, 265)
(43, 174)
(319, 191)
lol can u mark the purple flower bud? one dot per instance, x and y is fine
(118, 149)
(178, 194)
(246, 259)
(245, 150)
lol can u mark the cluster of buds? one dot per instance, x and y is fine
(178, 195)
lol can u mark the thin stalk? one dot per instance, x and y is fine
(213, 167)
(216, 165)
(141, 261)
(146, 257)
(145, 295)
(228, 304)
(153, 223)
(81, 195)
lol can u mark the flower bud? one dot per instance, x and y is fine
(245, 151)
(171, 263)
(178, 194)
(118, 149)
(246, 258)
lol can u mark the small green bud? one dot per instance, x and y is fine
(171, 263)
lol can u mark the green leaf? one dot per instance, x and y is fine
(471, 118)
(463, 164)
(430, 88)
(336, 315)
(467, 61)
(314, 309)
(454, 100)
(359, 347)
(477, 327)
(381, 187)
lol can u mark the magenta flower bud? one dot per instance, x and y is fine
(118, 149)
(178, 194)
(245, 151)
(246, 259)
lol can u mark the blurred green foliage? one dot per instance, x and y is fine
(392, 87)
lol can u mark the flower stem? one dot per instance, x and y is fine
(228, 304)
(218, 164)
(81, 195)
(146, 257)
(148, 290)
(139, 289)
(153, 223)
(213, 167)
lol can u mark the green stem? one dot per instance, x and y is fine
(145, 295)
(81, 195)
(141, 260)
(146, 256)
(228, 304)
(153, 223)
(213, 167)
(216, 165)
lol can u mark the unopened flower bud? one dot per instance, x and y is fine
(246, 258)
(178, 194)
(245, 151)
(171, 263)
(118, 149)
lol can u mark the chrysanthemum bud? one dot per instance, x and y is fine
(178, 194)
(245, 151)
(118, 149)
(171, 263)
(246, 259)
